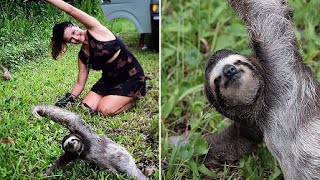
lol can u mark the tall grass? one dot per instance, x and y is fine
(29, 145)
(191, 32)
(34, 143)
(25, 28)
(22, 29)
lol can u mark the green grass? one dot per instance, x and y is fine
(36, 142)
(26, 28)
(191, 32)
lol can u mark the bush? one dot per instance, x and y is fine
(26, 28)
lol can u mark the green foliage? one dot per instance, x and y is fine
(182, 156)
(191, 32)
(26, 28)
(36, 142)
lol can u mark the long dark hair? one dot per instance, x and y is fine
(58, 45)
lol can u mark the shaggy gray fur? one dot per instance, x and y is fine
(98, 149)
(286, 108)
(229, 145)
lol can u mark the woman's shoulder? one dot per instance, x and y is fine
(101, 34)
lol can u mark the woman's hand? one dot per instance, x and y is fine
(68, 100)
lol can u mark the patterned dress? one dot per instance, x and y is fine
(123, 76)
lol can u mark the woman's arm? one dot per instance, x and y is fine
(88, 21)
(85, 19)
(82, 79)
(96, 29)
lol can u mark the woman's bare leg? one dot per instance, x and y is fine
(92, 100)
(112, 104)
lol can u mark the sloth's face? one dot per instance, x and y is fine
(232, 79)
(73, 144)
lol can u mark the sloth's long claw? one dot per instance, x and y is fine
(35, 112)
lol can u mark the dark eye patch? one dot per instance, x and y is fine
(217, 81)
(239, 62)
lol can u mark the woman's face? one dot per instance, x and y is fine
(74, 35)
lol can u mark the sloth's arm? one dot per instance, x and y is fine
(270, 30)
(70, 120)
(230, 144)
(63, 160)
(272, 39)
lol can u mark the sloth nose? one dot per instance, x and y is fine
(229, 70)
(69, 146)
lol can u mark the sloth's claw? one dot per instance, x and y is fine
(35, 112)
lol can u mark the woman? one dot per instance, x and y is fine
(122, 80)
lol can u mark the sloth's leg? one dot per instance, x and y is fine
(70, 120)
(230, 144)
(63, 160)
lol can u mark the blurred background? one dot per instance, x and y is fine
(29, 145)
(191, 31)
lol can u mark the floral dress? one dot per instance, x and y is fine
(123, 76)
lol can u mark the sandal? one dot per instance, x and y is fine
(144, 47)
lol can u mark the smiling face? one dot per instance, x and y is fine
(231, 79)
(74, 35)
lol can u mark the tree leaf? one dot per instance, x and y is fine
(186, 151)
(194, 123)
(193, 89)
(224, 41)
(197, 106)
(204, 170)
(194, 168)
(192, 56)
(201, 146)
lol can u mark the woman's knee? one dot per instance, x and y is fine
(111, 110)
(113, 105)
(107, 110)
(91, 100)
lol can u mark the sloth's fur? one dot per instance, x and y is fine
(272, 96)
(72, 144)
(85, 144)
